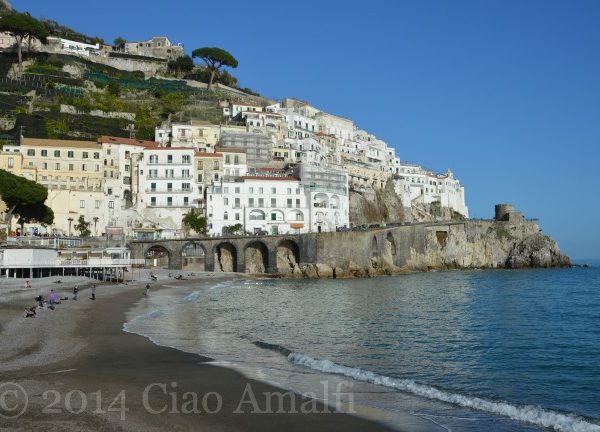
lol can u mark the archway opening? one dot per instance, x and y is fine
(288, 256)
(158, 257)
(389, 249)
(225, 258)
(256, 257)
(193, 257)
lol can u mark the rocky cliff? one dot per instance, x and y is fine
(432, 246)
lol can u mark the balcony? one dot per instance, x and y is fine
(168, 191)
(164, 177)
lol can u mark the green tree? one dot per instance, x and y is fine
(215, 59)
(22, 26)
(237, 228)
(83, 227)
(181, 64)
(114, 88)
(120, 42)
(24, 198)
(196, 222)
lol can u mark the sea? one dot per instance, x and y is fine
(494, 350)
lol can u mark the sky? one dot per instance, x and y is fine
(505, 93)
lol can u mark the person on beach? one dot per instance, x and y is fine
(75, 291)
(52, 297)
(27, 284)
(153, 276)
(40, 301)
(93, 292)
(147, 290)
(31, 312)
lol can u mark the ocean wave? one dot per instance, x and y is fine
(527, 413)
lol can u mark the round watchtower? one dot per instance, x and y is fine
(503, 210)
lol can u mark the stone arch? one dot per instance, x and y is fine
(157, 256)
(225, 257)
(335, 201)
(193, 256)
(256, 257)
(374, 252)
(288, 256)
(389, 249)
(295, 216)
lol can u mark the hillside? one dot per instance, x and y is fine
(69, 97)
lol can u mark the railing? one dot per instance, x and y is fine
(163, 177)
(92, 262)
(169, 191)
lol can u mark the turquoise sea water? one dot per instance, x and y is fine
(463, 350)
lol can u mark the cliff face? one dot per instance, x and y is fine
(377, 206)
(432, 246)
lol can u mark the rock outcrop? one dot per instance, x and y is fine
(537, 250)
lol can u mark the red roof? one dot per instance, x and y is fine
(269, 178)
(173, 148)
(127, 141)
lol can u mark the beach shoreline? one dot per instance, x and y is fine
(76, 369)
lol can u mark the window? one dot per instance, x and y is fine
(250, 202)
(216, 164)
(236, 160)
(170, 173)
(169, 201)
(261, 202)
(170, 159)
(251, 190)
(152, 187)
(185, 173)
(30, 152)
(111, 204)
(226, 190)
(97, 204)
(11, 162)
(273, 190)
(97, 168)
(273, 202)
(126, 180)
(186, 186)
(169, 187)
(83, 167)
(153, 201)
(237, 190)
(200, 164)
(84, 155)
(273, 216)
(297, 202)
(97, 155)
(186, 201)
(70, 167)
(81, 204)
(109, 191)
(199, 177)
(153, 159)
(216, 176)
(56, 153)
(185, 159)
(237, 216)
(57, 166)
(225, 216)
(44, 153)
(289, 202)
(289, 191)
(237, 203)
(260, 190)
(227, 159)
(44, 165)
(225, 201)
(127, 168)
(71, 154)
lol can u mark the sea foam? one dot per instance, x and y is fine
(527, 413)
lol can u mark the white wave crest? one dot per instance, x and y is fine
(526, 413)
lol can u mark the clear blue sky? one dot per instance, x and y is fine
(506, 93)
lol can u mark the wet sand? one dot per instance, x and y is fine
(83, 372)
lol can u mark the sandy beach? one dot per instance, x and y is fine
(75, 369)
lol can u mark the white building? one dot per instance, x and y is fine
(272, 204)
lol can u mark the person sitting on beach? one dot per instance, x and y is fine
(153, 276)
(31, 313)
(179, 277)
(27, 284)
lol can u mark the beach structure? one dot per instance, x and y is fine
(42, 261)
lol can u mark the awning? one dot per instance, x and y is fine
(296, 225)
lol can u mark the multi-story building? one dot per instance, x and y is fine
(260, 203)
(256, 145)
(209, 171)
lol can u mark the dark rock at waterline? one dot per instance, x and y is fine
(537, 250)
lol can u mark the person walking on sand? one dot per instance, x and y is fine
(52, 297)
(147, 290)
(75, 291)
(93, 292)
